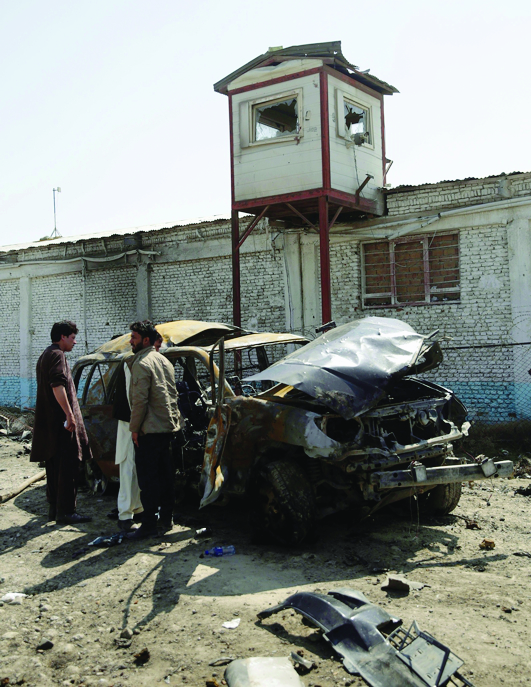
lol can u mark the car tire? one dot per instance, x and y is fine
(282, 503)
(441, 500)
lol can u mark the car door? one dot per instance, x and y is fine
(212, 475)
(96, 389)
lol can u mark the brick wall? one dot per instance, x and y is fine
(455, 194)
(10, 362)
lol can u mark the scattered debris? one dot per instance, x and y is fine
(46, 645)
(302, 665)
(261, 672)
(487, 544)
(31, 480)
(232, 624)
(221, 551)
(13, 598)
(126, 633)
(223, 661)
(522, 553)
(399, 583)
(203, 532)
(110, 540)
(523, 491)
(142, 657)
(212, 683)
(371, 643)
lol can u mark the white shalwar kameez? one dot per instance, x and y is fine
(129, 501)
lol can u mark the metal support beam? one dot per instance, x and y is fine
(252, 226)
(324, 252)
(362, 186)
(304, 219)
(236, 295)
(335, 217)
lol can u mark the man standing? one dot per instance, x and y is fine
(129, 505)
(155, 418)
(59, 436)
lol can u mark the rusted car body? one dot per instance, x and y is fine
(187, 344)
(343, 421)
(348, 423)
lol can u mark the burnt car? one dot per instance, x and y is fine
(187, 344)
(346, 422)
(341, 422)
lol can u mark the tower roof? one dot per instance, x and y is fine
(330, 53)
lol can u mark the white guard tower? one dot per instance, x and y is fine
(307, 143)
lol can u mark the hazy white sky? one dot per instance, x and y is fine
(112, 100)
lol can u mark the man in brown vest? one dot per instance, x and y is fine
(59, 436)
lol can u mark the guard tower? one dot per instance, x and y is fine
(307, 144)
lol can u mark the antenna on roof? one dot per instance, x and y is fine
(55, 234)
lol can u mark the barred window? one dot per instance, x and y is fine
(413, 271)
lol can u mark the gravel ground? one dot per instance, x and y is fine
(97, 608)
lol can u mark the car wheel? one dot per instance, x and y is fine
(96, 481)
(283, 503)
(441, 500)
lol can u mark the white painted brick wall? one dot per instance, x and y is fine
(454, 194)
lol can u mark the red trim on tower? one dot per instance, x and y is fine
(279, 79)
(231, 138)
(325, 131)
(384, 160)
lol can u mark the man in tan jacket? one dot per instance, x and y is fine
(155, 418)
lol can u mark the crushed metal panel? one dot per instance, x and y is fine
(350, 367)
(354, 627)
(262, 672)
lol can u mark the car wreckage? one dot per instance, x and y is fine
(342, 422)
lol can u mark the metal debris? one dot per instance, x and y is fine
(262, 672)
(372, 644)
(399, 583)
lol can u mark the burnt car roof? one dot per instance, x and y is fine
(257, 339)
(350, 367)
(177, 333)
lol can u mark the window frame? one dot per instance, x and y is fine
(272, 99)
(429, 291)
(341, 98)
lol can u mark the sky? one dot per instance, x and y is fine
(112, 100)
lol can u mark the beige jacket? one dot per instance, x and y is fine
(152, 394)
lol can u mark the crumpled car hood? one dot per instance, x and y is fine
(350, 367)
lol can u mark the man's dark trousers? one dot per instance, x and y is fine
(156, 477)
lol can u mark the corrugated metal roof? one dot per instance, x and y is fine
(404, 188)
(330, 52)
(114, 232)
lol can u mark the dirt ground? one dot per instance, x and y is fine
(173, 601)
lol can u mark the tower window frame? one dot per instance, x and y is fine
(274, 117)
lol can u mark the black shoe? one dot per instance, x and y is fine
(74, 519)
(51, 513)
(113, 515)
(142, 533)
(125, 525)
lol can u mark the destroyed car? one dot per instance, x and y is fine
(347, 423)
(186, 343)
(341, 422)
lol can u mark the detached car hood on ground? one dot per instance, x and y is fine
(349, 368)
